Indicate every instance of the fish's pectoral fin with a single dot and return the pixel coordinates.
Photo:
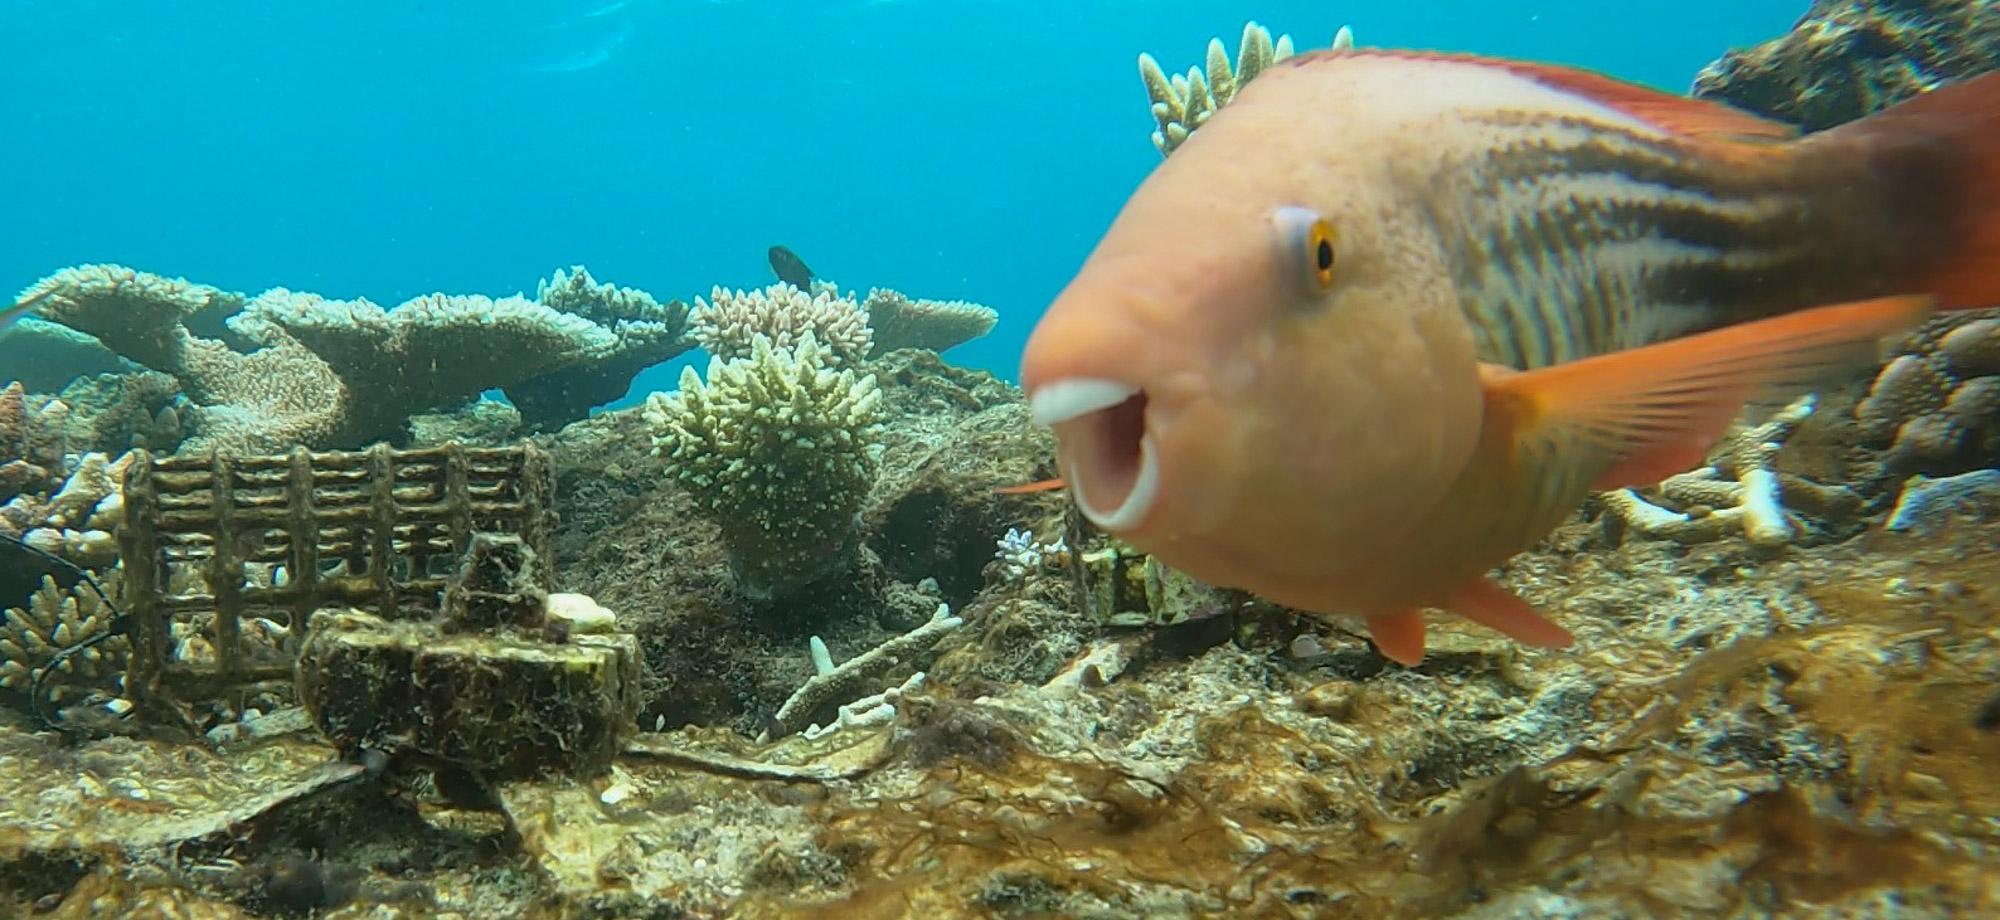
(1490, 605)
(1399, 636)
(1657, 410)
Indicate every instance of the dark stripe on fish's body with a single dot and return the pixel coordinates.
(1742, 256)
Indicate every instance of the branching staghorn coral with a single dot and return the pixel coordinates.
(1182, 103)
(57, 618)
(729, 322)
(780, 450)
(645, 332)
(898, 321)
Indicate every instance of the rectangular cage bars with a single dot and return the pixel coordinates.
(210, 542)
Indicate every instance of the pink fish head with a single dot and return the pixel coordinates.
(1262, 366)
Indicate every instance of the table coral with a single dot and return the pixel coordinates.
(333, 372)
(901, 322)
(645, 332)
(780, 451)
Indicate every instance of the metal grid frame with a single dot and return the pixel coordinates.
(379, 529)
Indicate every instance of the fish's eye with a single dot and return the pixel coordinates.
(1319, 252)
(1309, 247)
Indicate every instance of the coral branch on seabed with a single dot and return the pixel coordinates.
(830, 681)
(1739, 492)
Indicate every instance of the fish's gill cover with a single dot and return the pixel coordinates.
(780, 450)
(729, 322)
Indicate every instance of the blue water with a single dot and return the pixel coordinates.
(948, 148)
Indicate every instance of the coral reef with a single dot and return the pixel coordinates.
(57, 618)
(1000, 712)
(900, 322)
(780, 449)
(297, 368)
(434, 351)
(1741, 491)
(76, 522)
(1182, 103)
(1846, 58)
(1936, 404)
(831, 683)
(644, 332)
(730, 323)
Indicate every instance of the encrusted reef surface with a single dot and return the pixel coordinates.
(869, 683)
(1846, 58)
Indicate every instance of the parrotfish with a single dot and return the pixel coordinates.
(1388, 318)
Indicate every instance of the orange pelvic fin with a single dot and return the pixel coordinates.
(1028, 488)
(1490, 605)
(1658, 409)
(1399, 636)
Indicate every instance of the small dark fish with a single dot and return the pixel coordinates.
(791, 269)
(27, 306)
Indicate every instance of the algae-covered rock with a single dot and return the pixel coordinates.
(1846, 58)
(498, 706)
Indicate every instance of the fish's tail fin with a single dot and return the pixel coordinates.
(1936, 157)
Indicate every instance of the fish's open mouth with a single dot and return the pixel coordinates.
(1109, 456)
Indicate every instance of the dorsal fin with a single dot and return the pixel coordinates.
(1666, 111)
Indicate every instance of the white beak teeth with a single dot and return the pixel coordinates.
(1138, 501)
(1062, 400)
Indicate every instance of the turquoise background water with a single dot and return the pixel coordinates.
(948, 148)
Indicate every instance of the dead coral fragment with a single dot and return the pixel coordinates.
(831, 682)
(1739, 492)
(780, 450)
